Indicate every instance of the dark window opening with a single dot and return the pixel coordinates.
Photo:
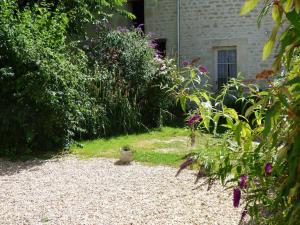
(137, 8)
(161, 47)
(227, 66)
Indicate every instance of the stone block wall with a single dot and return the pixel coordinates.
(208, 25)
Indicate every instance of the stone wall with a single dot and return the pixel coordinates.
(207, 25)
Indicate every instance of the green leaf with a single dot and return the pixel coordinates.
(206, 122)
(294, 18)
(288, 5)
(203, 94)
(297, 6)
(232, 113)
(268, 49)
(238, 133)
(248, 6)
(270, 44)
(183, 103)
(276, 14)
(195, 99)
(283, 99)
(269, 117)
(249, 111)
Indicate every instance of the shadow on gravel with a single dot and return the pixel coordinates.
(9, 167)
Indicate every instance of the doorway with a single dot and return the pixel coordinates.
(138, 9)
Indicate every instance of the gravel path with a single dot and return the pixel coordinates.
(69, 191)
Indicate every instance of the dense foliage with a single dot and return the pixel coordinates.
(53, 91)
(42, 86)
(132, 82)
(80, 14)
(261, 155)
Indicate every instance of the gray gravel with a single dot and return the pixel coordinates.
(95, 191)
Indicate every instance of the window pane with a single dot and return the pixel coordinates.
(232, 70)
(226, 65)
(222, 56)
(222, 70)
(231, 56)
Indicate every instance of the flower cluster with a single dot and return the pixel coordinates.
(268, 169)
(236, 197)
(194, 119)
(185, 63)
(203, 69)
(237, 193)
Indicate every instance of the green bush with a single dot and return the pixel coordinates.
(42, 86)
(52, 92)
(131, 81)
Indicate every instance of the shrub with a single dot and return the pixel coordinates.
(42, 86)
(52, 92)
(131, 81)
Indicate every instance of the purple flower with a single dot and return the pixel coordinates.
(268, 168)
(203, 69)
(194, 119)
(122, 29)
(185, 164)
(244, 214)
(152, 44)
(236, 197)
(140, 26)
(243, 181)
(185, 63)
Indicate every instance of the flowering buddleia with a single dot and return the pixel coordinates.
(268, 168)
(236, 197)
(243, 181)
(185, 164)
(203, 69)
(194, 119)
(185, 63)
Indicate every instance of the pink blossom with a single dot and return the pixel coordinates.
(203, 69)
(185, 63)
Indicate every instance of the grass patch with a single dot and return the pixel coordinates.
(166, 146)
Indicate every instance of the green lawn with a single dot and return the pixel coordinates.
(166, 146)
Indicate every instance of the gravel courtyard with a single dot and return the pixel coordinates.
(70, 191)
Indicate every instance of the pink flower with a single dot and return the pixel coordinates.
(203, 69)
(236, 197)
(185, 63)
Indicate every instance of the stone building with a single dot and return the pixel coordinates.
(211, 29)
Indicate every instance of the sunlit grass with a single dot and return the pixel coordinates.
(166, 146)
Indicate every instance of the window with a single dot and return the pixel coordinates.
(226, 65)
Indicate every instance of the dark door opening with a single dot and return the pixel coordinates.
(137, 8)
(161, 47)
